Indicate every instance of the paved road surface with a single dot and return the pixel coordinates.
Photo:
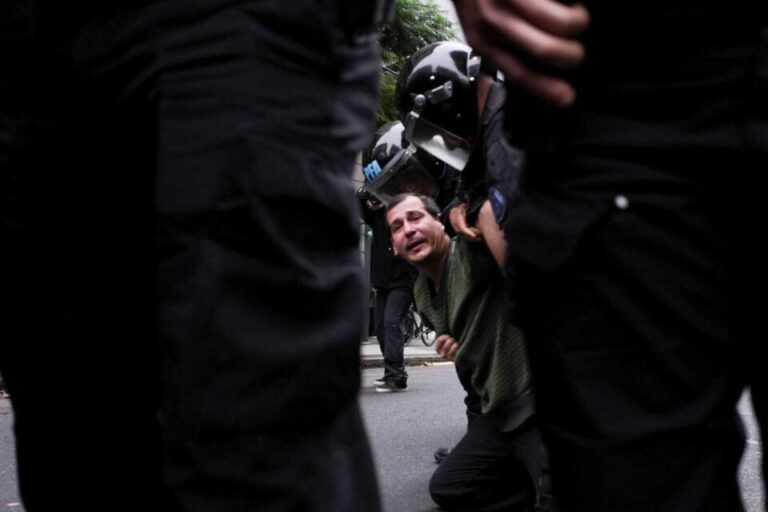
(405, 429)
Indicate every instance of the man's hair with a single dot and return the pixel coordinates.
(429, 204)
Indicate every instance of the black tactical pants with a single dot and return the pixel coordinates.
(635, 272)
(180, 275)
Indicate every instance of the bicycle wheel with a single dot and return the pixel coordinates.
(427, 336)
(408, 327)
(422, 332)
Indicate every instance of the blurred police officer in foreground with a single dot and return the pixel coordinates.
(180, 252)
(637, 271)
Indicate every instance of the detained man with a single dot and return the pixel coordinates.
(499, 463)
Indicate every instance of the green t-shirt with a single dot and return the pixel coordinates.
(470, 306)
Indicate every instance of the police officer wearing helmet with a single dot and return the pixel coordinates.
(391, 169)
(449, 100)
(436, 93)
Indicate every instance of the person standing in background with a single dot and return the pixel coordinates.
(391, 276)
(393, 280)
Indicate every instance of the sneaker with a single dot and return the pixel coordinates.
(391, 387)
(441, 454)
(380, 380)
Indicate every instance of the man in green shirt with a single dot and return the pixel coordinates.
(460, 292)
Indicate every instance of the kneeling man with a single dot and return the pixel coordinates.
(499, 463)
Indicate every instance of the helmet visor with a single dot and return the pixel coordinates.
(402, 174)
(438, 142)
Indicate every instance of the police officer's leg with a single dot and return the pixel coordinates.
(633, 364)
(259, 273)
(747, 257)
(748, 254)
(79, 351)
(398, 301)
(382, 295)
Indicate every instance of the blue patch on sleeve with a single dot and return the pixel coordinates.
(498, 204)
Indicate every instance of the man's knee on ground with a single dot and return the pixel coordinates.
(449, 490)
(503, 487)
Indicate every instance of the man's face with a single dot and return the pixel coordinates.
(416, 235)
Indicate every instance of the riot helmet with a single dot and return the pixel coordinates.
(393, 169)
(437, 98)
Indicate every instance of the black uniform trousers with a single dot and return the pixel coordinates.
(391, 309)
(180, 271)
(637, 273)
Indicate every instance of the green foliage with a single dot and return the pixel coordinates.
(387, 110)
(416, 24)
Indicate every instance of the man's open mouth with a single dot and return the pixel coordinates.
(414, 245)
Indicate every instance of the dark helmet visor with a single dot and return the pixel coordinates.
(438, 142)
(402, 174)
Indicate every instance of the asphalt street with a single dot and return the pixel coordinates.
(9, 493)
(404, 429)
